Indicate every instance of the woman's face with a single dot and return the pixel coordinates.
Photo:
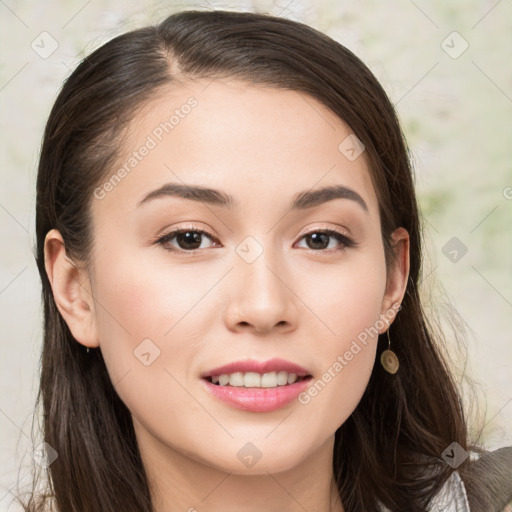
(263, 281)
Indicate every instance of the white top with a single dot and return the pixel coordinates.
(451, 498)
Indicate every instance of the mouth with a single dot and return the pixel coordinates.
(256, 380)
(255, 392)
(250, 373)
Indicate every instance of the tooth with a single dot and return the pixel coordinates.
(255, 380)
(282, 378)
(252, 380)
(292, 377)
(223, 379)
(269, 380)
(236, 379)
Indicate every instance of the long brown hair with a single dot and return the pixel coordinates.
(390, 448)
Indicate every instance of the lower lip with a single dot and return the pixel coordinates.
(258, 399)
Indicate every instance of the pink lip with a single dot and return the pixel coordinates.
(250, 365)
(257, 399)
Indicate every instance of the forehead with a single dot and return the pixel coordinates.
(260, 145)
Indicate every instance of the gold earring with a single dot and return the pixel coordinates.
(388, 358)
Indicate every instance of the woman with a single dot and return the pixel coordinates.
(229, 246)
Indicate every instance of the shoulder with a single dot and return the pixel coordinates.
(488, 484)
(451, 497)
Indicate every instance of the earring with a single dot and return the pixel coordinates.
(388, 358)
(87, 349)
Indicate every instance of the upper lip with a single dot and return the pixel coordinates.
(251, 365)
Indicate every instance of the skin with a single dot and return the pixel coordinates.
(294, 301)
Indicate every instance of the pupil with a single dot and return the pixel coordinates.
(321, 238)
(191, 239)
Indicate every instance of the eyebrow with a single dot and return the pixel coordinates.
(301, 201)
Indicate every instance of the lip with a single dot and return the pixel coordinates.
(251, 365)
(257, 399)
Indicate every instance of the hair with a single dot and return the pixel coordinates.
(389, 449)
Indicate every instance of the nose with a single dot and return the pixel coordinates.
(261, 298)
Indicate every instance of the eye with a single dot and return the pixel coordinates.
(190, 239)
(319, 238)
(187, 239)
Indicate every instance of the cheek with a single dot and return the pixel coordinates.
(347, 364)
(137, 309)
(347, 296)
(148, 336)
(350, 303)
(152, 318)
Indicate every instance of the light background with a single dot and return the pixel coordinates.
(456, 112)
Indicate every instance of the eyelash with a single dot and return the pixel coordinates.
(344, 240)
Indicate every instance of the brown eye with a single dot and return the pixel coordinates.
(319, 240)
(190, 240)
(187, 240)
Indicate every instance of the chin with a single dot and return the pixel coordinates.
(260, 457)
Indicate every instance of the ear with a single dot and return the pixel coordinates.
(71, 290)
(398, 275)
